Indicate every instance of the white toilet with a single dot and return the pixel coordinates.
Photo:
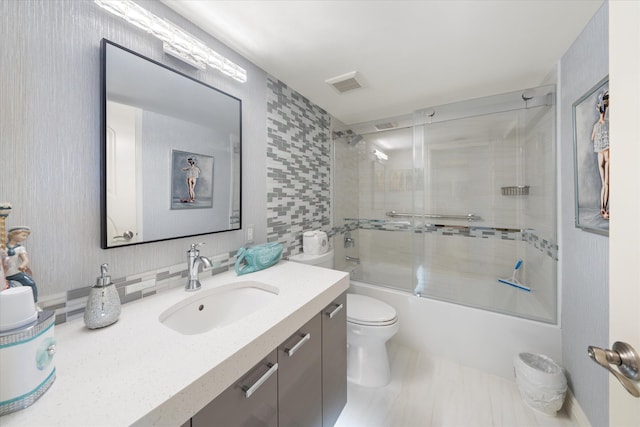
(370, 324)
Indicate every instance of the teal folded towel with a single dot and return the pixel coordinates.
(257, 257)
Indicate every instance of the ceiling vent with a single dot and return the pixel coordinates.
(385, 126)
(345, 82)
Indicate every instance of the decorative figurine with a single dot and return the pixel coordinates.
(5, 210)
(17, 261)
(4, 283)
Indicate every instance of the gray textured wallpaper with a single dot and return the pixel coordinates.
(50, 138)
(585, 256)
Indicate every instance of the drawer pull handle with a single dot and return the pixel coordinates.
(249, 390)
(335, 311)
(303, 339)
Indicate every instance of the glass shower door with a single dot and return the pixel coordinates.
(386, 178)
(447, 207)
(487, 205)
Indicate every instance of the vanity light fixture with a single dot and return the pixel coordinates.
(175, 41)
(379, 154)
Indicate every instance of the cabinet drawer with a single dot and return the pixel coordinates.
(249, 402)
(300, 376)
(334, 360)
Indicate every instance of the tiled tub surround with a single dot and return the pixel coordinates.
(461, 265)
(530, 236)
(99, 382)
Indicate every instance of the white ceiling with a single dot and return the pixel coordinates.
(409, 54)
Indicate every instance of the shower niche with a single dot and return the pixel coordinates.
(466, 191)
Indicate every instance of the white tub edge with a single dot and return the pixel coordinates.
(465, 335)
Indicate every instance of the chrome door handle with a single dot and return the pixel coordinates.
(625, 358)
(127, 235)
(303, 339)
(249, 390)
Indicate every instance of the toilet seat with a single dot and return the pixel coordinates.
(367, 311)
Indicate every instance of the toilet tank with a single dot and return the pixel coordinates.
(325, 260)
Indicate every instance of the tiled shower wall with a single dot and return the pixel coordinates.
(298, 167)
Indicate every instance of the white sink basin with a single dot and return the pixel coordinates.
(216, 307)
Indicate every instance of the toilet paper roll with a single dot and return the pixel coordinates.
(315, 242)
(310, 244)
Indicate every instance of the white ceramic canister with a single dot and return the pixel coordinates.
(26, 363)
(17, 308)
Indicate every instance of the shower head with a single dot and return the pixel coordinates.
(354, 140)
(350, 138)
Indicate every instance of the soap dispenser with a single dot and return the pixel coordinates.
(103, 306)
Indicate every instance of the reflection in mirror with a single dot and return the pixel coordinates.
(171, 153)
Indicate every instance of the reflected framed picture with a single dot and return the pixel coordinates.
(191, 180)
(591, 159)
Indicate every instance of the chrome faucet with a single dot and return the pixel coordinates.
(352, 259)
(194, 261)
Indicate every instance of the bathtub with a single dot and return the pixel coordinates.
(476, 287)
(468, 336)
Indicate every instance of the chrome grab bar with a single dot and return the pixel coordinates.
(467, 217)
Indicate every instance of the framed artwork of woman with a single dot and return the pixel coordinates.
(592, 158)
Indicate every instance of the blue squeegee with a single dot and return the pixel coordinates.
(513, 281)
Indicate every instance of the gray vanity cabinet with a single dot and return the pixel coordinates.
(252, 401)
(300, 376)
(334, 360)
(301, 383)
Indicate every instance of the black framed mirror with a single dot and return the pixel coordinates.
(171, 153)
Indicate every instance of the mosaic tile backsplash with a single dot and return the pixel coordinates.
(70, 305)
(298, 167)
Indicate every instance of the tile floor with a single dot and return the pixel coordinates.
(426, 391)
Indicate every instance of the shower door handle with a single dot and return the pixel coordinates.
(625, 358)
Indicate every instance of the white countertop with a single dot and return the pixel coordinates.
(139, 372)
